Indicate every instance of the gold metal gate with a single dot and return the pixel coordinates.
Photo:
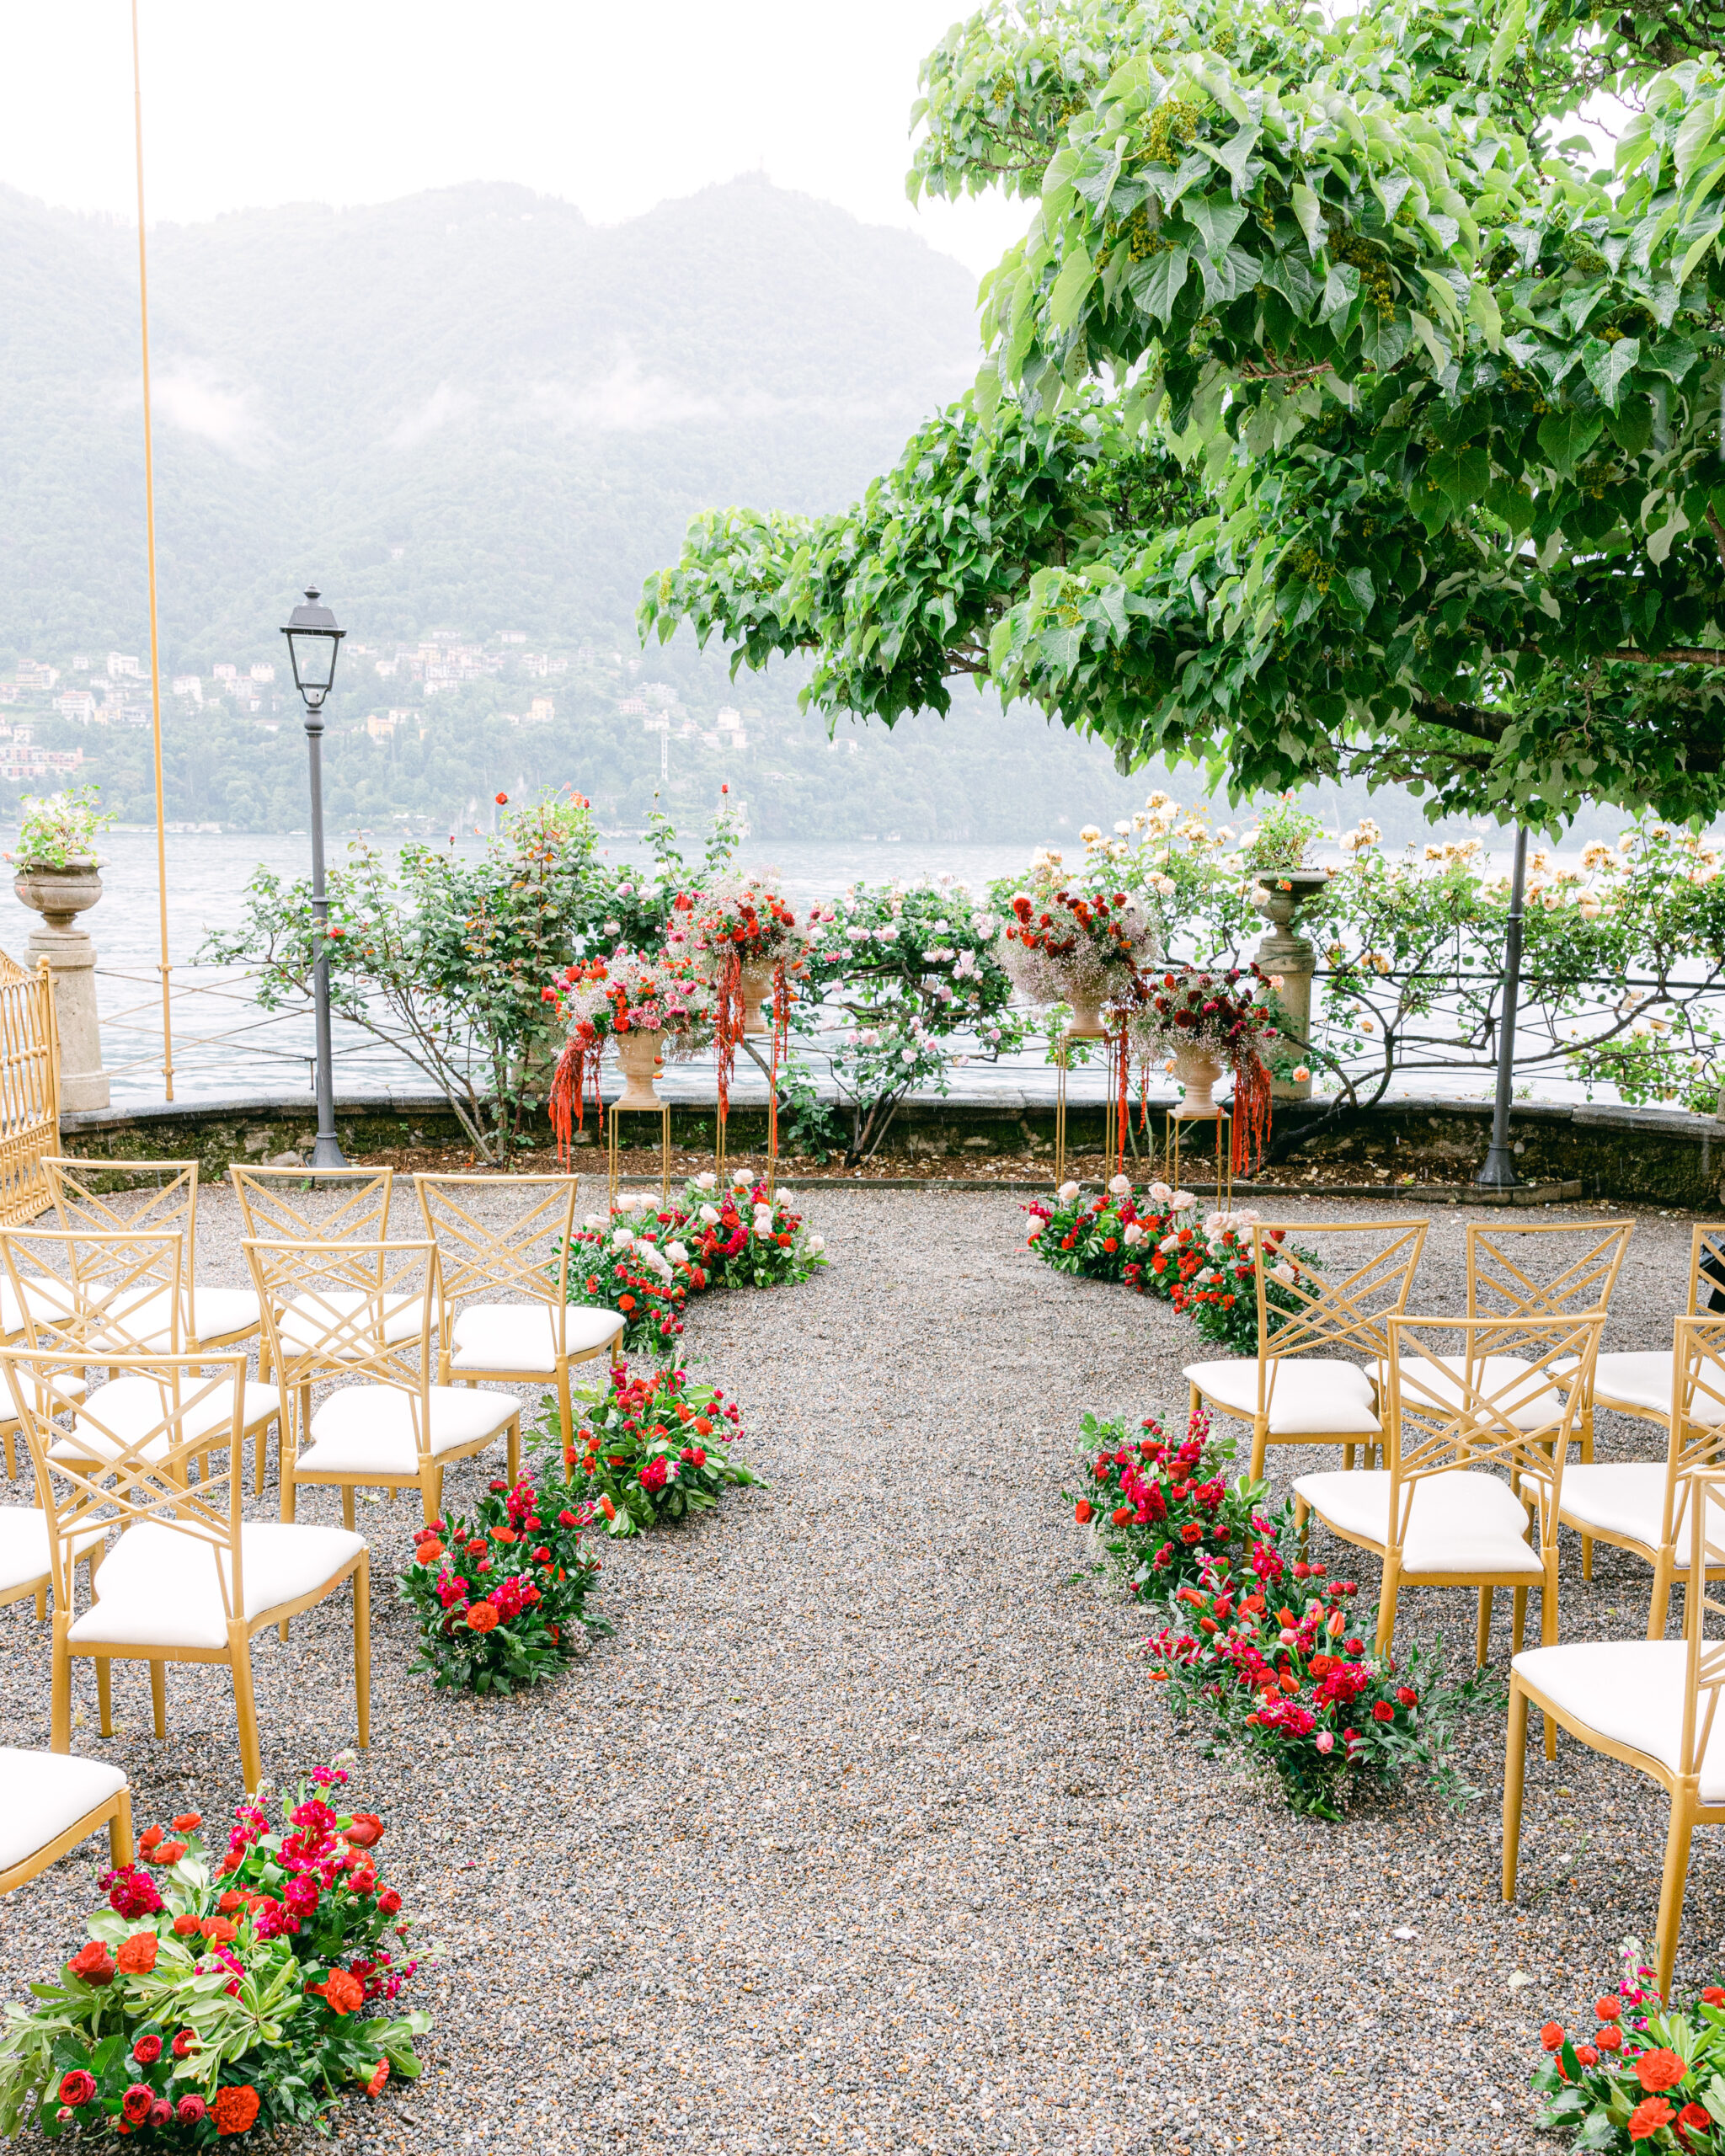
(29, 1089)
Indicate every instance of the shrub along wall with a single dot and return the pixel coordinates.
(1652, 1154)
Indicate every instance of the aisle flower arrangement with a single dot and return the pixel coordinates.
(1215, 1279)
(639, 1263)
(742, 1238)
(648, 1450)
(221, 1998)
(1644, 2077)
(1273, 1653)
(501, 1598)
(1108, 1235)
(601, 999)
(1162, 1513)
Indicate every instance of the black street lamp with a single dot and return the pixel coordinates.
(312, 642)
(1499, 1172)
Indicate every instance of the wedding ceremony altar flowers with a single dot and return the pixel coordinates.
(1161, 1511)
(1078, 940)
(638, 1262)
(1105, 1235)
(1273, 1653)
(501, 1599)
(741, 1237)
(220, 1999)
(1643, 2076)
(628, 998)
(1202, 1020)
(647, 1449)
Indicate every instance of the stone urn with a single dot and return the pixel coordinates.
(60, 895)
(1199, 1071)
(1087, 1020)
(756, 984)
(1279, 895)
(637, 1053)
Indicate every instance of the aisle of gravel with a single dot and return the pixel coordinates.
(865, 1831)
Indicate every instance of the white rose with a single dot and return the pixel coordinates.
(817, 1244)
(622, 1239)
(1161, 1192)
(706, 1181)
(1066, 1192)
(1181, 1200)
(742, 1178)
(676, 1253)
(1120, 1185)
(1135, 1235)
(594, 1220)
(1284, 1271)
(709, 1213)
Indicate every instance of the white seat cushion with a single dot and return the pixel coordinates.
(1632, 1690)
(523, 1336)
(23, 1545)
(1628, 1497)
(370, 1428)
(306, 1320)
(1458, 1521)
(1310, 1397)
(64, 1385)
(42, 1794)
(220, 1312)
(223, 1311)
(1526, 1404)
(49, 1302)
(133, 1405)
(160, 1587)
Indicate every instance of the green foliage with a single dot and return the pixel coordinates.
(1447, 394)
(501, 1599)
(647, 1451)
(62, 828)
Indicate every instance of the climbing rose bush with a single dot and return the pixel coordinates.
(220, 1999)
(501, 1599)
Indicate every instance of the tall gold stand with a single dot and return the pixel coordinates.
(1225, 1151)
(613, 1112)
(1112, 1156)
(721, 1154)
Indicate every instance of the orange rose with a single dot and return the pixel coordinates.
(234, 2109)
(482, 1617)
(187, 1822)
(1648, 2116)
(137, 1954)
(216, 1929)
(344, 1993)
(504, 1534)
(1657, 2071)
(428, 1553)
(169, 1853)
(185, 1927)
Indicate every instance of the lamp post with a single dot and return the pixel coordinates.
(1499, 1172)
(312, 642)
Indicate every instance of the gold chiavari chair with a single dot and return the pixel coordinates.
(1300, 1389)
(1652, 1704)
(119, 1292)
(189, 1580)
(154, 1197)
(49, 1804)
(337, 1312)
(1647, 1506)
(1435, 1516)
(538, 1333)
(1637, 1381)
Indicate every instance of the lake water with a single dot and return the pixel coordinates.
(225, 1048)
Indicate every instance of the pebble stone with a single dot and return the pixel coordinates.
(865, 1831)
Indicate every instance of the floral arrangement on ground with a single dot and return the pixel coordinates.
(1269, 1653)
(215, 1999)
(649, 1450)
(1157, 1244)
(1646, 2077)
(1162, 1513)
(501, 1599)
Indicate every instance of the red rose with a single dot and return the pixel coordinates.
(1713, 1996)
(1191, 1532)
(342, 1992)
(1657, 2071)
(1082, 1510)
(134, 2104)
(234, 2108)
(78, 2087)
(380, 2075)
(137, 1954)
(1648, 2116)
(1608, 2010)
(1611, 2038)
(169, 1853)
(185, 1927)
(1695, 2118)
(1551, 2036)
(389, 1903)
(191, 2110)
(187, 1822)
(366, 1831)
(147, 2049)
(1382, 1710)
(1587, 2054)
(92, 1964)
(1407, 1695)
(185, 2043)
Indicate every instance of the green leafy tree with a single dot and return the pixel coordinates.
(1340, 415)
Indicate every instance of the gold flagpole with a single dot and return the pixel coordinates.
(150, 528)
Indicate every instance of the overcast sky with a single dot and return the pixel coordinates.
(612, 106)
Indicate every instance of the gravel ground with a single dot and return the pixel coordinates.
(865, 1831)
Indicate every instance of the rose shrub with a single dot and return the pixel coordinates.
(501, 1599)
(647, 1449)
(213, 1999)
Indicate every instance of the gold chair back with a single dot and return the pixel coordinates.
(100, 1294)
(1707, 1656)
(124, 1477)
(1324, 1312)
(1561, 1269)
(1706, 1269)
(1447, 1409)
(272, 1203)
(329, 1307)
(529, 1258)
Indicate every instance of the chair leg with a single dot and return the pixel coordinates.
(1659, 1608)
(10, 1435)
(60, 1687)
(1482, 1642)
(42, 1605)
(436, 1511)
(1548, 1638)
(1520, 1626)
(158, 1696)
(120, 1843)
(104, 1694)
(565, 1412)
(1302, 1525)
(245, 1707)
(362, 1648)
(1260, 1445)
(347, 1507)
(513, 1451)
(1671, 1885)
(1587, 1454)
(261, 1460)
(1514, 1772)
(1347, 1458)
(1387, 1604)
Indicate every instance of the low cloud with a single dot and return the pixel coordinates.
(193, 399)
(443, 405)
